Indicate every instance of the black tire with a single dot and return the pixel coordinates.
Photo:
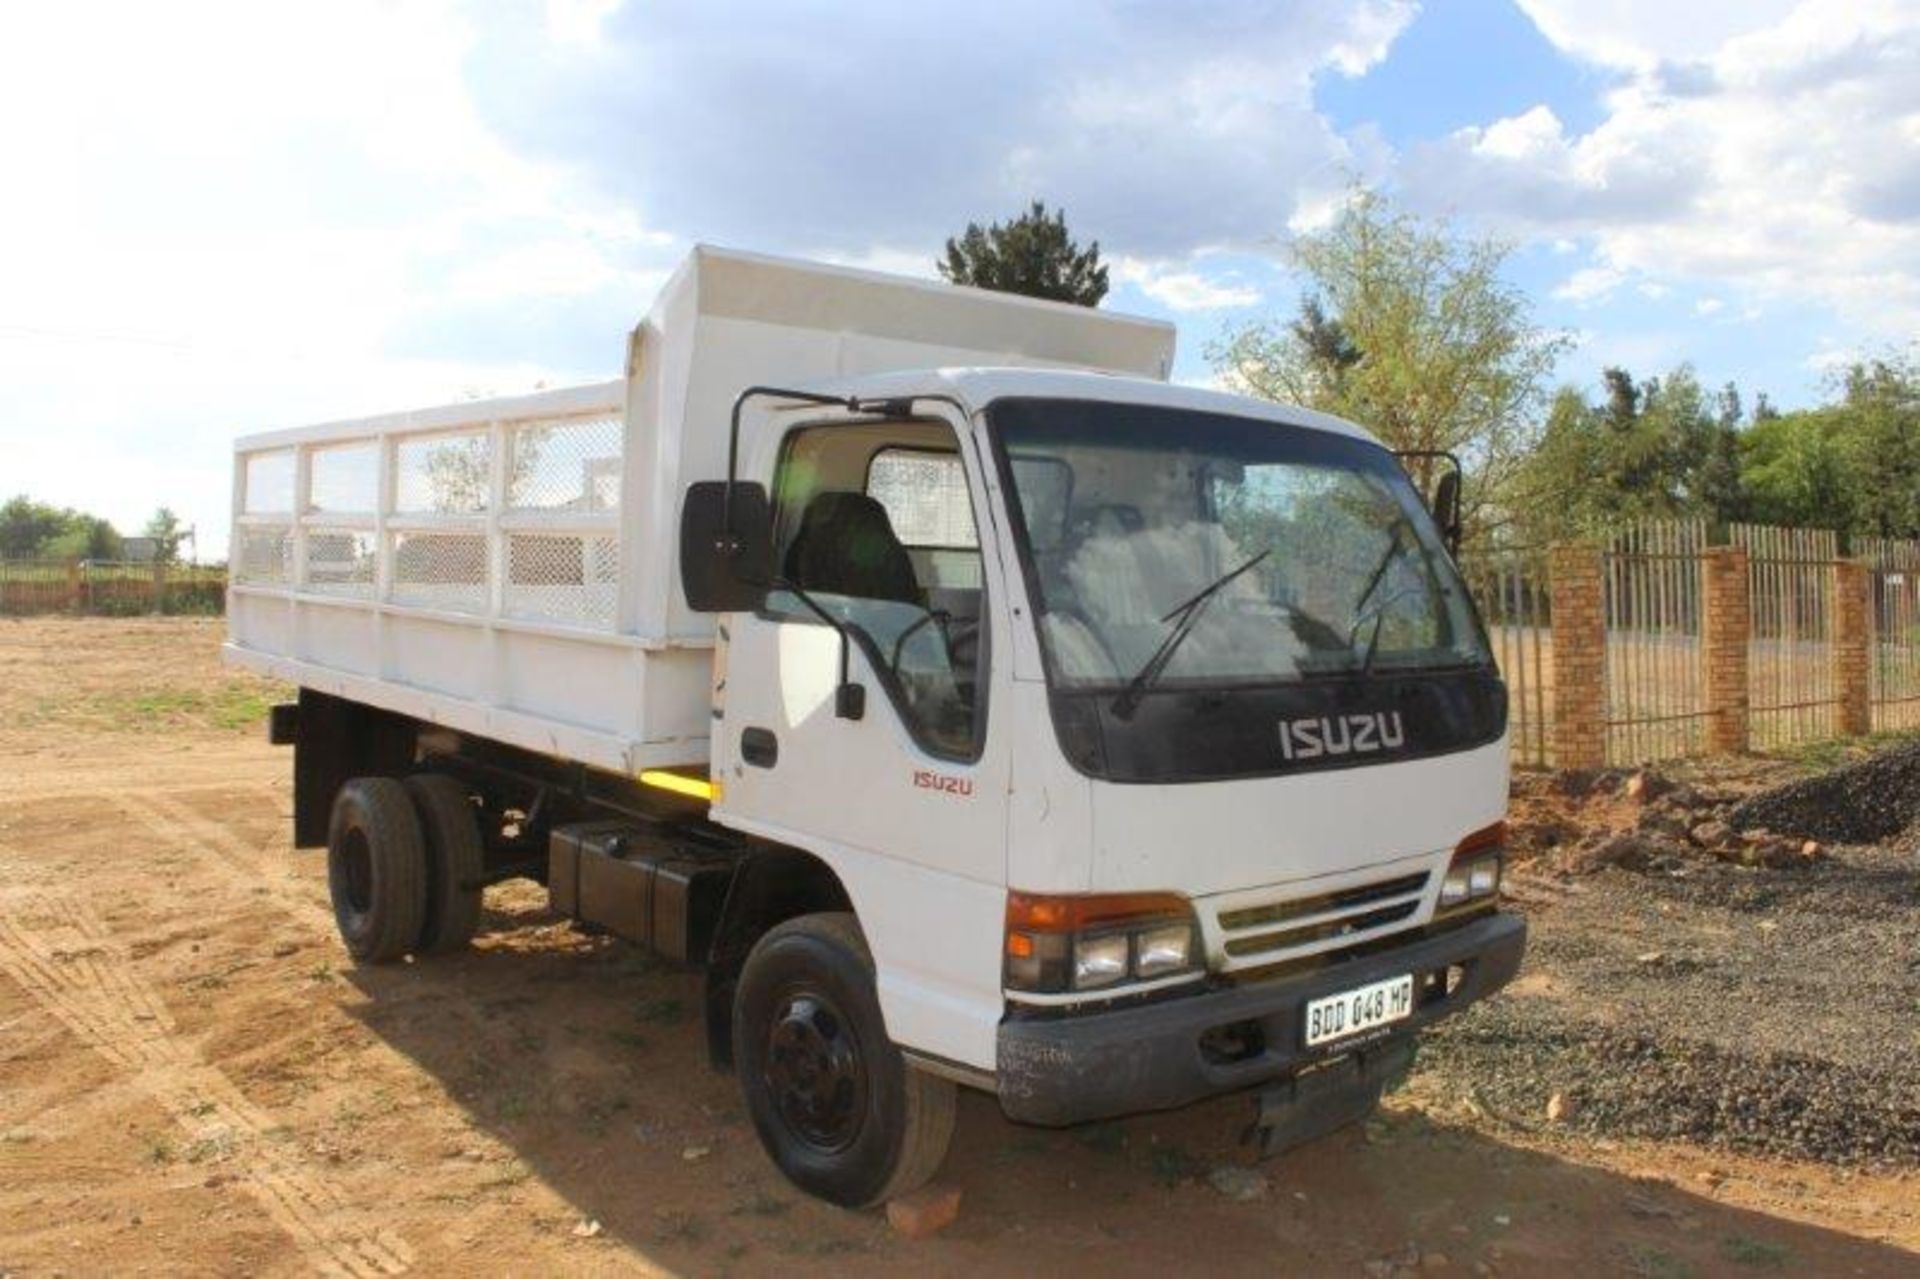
(836, 1106)
(376, 869)
(455, 862)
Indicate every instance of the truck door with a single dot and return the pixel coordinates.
(874, 526)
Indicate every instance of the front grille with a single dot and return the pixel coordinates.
(1276, 930)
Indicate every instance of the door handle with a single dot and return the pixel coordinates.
(759, 747)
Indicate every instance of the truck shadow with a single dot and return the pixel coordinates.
(585, 1060)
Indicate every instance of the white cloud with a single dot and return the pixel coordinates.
(1746, 147)
(579, 21)
(1709, 306)
(1184, 290)
(1158, 129)
(1636, 34)
(1589, 284)
(246, 216)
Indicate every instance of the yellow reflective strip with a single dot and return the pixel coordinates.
(698, 787)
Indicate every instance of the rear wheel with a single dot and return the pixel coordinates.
(836, 1106)
(454, 861)
(376, 869)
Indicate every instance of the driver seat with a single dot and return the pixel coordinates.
(846, 546)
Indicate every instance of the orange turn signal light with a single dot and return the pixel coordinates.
(1487, 839)
(1072, 912)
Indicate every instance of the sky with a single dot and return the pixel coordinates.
(226, 218)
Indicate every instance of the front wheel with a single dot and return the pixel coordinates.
(836, 1106)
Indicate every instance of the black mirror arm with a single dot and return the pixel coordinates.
(733, 432)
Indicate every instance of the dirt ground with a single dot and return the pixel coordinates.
(194, 1079)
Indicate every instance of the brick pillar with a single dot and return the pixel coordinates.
(1579, 657)
(1852, 646)
(1725, 626)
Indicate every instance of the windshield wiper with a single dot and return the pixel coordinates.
(1394, 548)
(1187, 614)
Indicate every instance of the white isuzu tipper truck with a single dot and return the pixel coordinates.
(972, 705)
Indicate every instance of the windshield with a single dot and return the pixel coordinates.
(1128, 512)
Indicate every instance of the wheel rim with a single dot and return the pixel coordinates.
(814, 1071)
(357, 860)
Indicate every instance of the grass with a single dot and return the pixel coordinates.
(761, 1204)
(1104, 1138)
(677, 1226)
(1755, 1254)
(1649, 1262)
(1839, 750)
(230, 707)
(661, 1012)
(1173, 1164)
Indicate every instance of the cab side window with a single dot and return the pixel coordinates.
(882, 537)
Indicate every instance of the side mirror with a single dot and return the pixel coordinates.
(726, 546)
(1446, 509)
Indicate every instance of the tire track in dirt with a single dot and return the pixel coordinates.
(246, 866)
(64, 958)
(40, 779)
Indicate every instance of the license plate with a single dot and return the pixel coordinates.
(1363, 1008)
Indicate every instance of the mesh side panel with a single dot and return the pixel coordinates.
(340, 562)
(565, 466)
(441, 570)
(264, 557)
(345, 478)
(562, 578)
(269, 483)
(446, 474)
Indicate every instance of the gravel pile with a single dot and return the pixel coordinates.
(1874, 799)
(1615, 1084)
(1748, 1008)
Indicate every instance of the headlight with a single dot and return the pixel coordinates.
(1474, 876)
(1099, 961)
(1057, 944)
(1164, 950)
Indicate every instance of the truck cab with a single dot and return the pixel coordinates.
(1152, 730)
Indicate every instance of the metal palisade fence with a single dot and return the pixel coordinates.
(114, 588)
(1762, 638)
(1893, 569)
(1790, 583)
(1509, 586)
(1654, 607)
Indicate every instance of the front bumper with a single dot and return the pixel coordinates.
(1152, 1057)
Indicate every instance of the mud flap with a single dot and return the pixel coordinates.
(1312, 1104)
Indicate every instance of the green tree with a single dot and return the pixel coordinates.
(26, 526)
(1032, 254)
(1659, 448)
(1408, 329)
(1879, 439)
(86, 537)
(35, 530)
(1795, 470)
(1852, 464)
(165, 529)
